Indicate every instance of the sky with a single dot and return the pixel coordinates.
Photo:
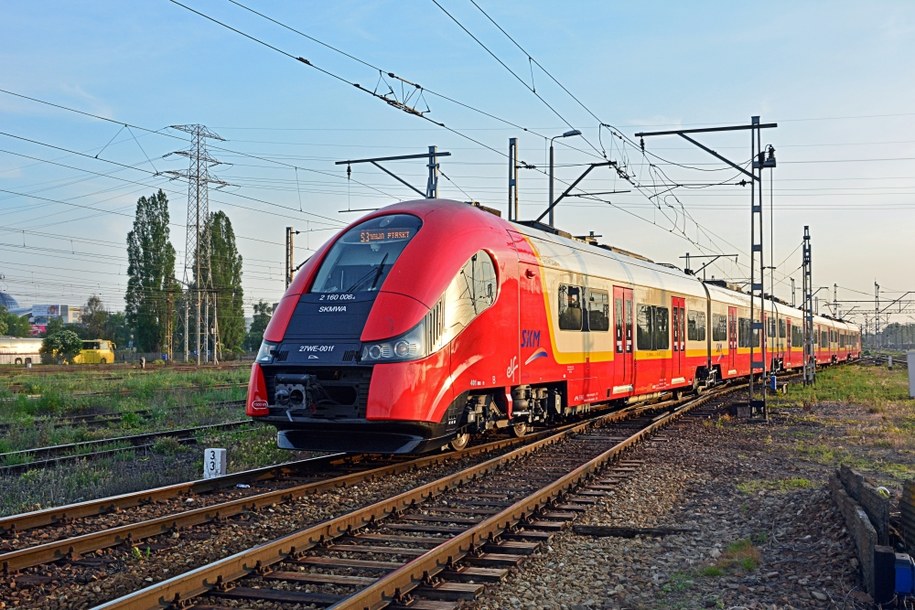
(90, 90)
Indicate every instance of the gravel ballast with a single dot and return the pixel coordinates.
(765, 532)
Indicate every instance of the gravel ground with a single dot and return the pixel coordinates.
(776, 541)
(763, 531)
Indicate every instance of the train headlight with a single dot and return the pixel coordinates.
(266, 353)
(409, 346)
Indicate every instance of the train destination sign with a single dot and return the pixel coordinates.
(381, 235)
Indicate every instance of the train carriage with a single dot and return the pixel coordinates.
(429, 321)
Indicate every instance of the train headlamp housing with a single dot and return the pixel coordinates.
(409, 346)
(266, 353)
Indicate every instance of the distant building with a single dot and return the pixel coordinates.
(8, 301)
(42, 313)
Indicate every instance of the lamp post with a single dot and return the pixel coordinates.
(816, 308)
(568, 134)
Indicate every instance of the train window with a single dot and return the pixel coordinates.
(719, 327)
(644, 322)
(661, 328)
(743, 333)
(570, 316)
(618, 323)
(361, 258)
(771, 328)
(652, 327)
(781, 329)
(471, 291)
(824, 342)
(695, 325)
(598, 310)
(797, 335)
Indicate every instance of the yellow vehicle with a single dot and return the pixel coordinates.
(95, 351)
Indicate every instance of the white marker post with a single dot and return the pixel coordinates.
(214, 463)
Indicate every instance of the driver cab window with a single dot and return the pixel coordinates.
(472, 291)
(361, 258)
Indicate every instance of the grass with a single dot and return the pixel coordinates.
(740, 557)
(171, 400)
(860, 416)
(128, 471)
(778, 485)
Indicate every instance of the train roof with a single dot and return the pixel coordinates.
(570, 254)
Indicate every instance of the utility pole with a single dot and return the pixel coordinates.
(513, 179)
(877, 342)
(290, 249)
(807, 263)
(793, 302)
(761, 160)
(198, 180)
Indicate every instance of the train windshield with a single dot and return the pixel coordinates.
(360, 260)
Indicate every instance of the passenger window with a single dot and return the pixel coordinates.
(719, 327)
(570, 312)
(653, 327)
(598, 310)
(695, 325)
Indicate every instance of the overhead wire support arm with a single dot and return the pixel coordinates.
(432, 184)
(714, 257)
(573, 185)
(759, 161)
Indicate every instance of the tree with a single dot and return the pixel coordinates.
(262, 314)
(151, 273)
(61, 346)
(225, 271)
(117, 330)
(94, 318)
(54, 325)
(13, 325)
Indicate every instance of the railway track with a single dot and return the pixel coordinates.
(13, 462)
(77, 529)
(100, 420)
(440, 506)
(434, 546)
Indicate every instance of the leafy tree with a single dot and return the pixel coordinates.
(13, 325)
(94, 318)
(262, 314)
(54, 325)
(151, 273)
(225, 270)
(116, 329)
(61, 346)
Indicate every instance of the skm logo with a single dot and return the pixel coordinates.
(530, 338)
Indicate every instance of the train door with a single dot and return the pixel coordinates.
(732, 340)
(622, 327)
(788, 356)
(678, 309)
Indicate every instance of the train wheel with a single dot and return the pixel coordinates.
(460, 441)
(520, 429)
(103, 361)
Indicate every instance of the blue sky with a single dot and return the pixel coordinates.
(836, 77)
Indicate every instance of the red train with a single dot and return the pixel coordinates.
(429, 321)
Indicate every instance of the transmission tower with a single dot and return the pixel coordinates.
(198, 208)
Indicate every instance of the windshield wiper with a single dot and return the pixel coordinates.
(375, 273)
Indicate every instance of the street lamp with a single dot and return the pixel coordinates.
(568, 134)
(816, 301)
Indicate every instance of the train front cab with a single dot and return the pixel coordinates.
(380, 357)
